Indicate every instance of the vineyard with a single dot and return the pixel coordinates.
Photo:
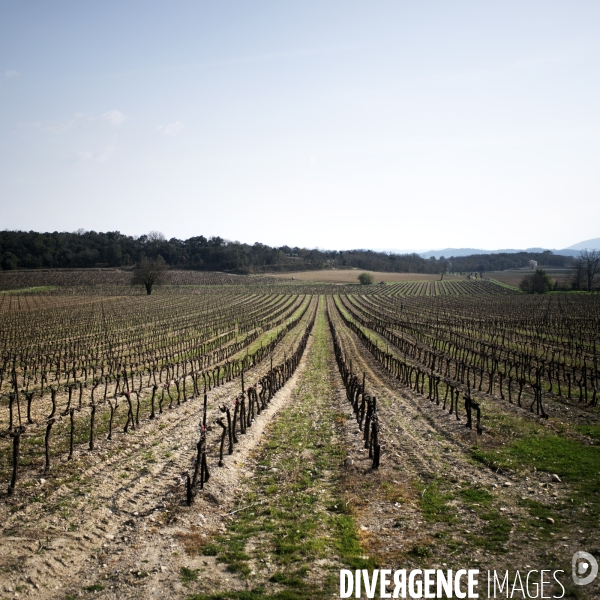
(246, 437)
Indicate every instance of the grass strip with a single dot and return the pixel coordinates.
(292, 546)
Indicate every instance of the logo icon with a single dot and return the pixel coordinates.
(585, 568)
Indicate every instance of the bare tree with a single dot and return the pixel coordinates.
(591, 266)
(155, 237)
(150, 273)
(443, 267)
(577, 274)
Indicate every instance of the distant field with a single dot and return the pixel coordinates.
(351, 276)
(515, 277)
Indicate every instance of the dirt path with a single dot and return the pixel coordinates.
(293, 531)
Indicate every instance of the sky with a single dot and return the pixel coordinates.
(318, 123)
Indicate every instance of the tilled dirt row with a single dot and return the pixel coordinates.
(86, 531)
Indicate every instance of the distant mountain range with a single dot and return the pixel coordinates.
(593, 244)
(586, 244)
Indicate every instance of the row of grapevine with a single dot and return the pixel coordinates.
(363, 404)
(74, 413)
(486, 353)
(246, 407)
(446, 288)
(425, 382)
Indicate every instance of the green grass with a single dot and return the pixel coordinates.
(505, 285)
(433, 501)
(476, 496)
(577, 464)
(188, 575)
(496, 531)
(96, 587)
(303, 519)
(592, 431)
(30, 290)
(420, 551)
(497, 528)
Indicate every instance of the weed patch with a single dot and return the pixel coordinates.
(96, 587)
(575, 462)
(433, 502)
(188, 575)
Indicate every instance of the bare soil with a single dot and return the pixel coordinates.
(351, 276)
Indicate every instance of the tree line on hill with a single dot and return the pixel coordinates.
(86, 249)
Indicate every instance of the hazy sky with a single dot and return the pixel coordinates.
(337, 124)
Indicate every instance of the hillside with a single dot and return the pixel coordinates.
(32, 250)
